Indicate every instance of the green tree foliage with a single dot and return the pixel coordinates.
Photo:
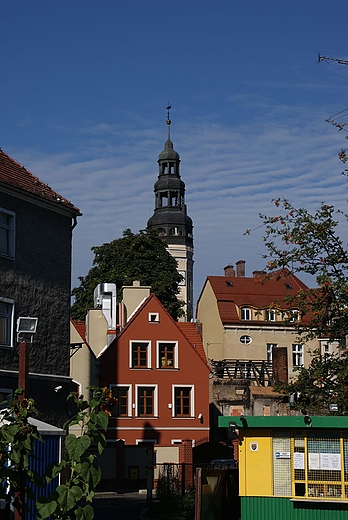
(324, 382)
(142, 256)
(302, 242)
(17, 437)
(79, 464)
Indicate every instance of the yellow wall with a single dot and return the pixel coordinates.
(208, 315)
(255, 465)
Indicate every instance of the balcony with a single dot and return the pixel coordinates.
(235, 371)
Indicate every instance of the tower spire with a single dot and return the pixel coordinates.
(168, 119)
(170, 217)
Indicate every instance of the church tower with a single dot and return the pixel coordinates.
(171, 219)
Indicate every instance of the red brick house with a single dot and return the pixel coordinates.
(157, 368)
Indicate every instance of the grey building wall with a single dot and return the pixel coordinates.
(38, 280)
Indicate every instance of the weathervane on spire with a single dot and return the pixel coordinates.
(168, 113)
(168, 119)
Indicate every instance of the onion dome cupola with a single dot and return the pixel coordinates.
(170, 215)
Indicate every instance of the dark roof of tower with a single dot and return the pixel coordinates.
(169, 152)
(169, 216)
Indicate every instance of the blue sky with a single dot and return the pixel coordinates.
(85, 84)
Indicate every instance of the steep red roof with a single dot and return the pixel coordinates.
(189, 330)
(80, 326)
(15, 175)
(259, 293)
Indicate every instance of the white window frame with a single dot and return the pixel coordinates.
(270, 315)
(297, 355)
(192, 401)
(129, 399)
(294, 315)
(10, 322)
(11, 232)
(176, 356)
(142, 441)
(325, 348)
(176, 441)
(148, 343)
(245, 311)
(270, 347)
(246, 342)
(153, 317)
(155, 402)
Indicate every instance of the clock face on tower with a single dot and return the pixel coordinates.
(183, 281)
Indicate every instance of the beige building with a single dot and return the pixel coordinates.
(240, 321)
(247, 343)
(88, 339)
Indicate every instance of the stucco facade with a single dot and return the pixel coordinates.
(157, 369)
(238, 322)
(35, 268)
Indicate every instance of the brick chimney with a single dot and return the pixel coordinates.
(280, 365)
(240, 268)
(257, 274)
(229, 270)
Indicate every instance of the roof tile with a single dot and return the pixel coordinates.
(236, 292)
(15, 175)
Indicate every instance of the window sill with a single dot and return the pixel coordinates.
(184, 417)
(146, 417)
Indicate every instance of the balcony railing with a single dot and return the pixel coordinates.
(235, 370)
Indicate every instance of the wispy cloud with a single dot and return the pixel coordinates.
(231, 175)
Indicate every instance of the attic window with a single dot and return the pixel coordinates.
(229, 283)
(153, 317)
(288, 285)
(246, 314)
(246, 340)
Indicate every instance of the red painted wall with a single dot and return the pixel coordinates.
(192, 370)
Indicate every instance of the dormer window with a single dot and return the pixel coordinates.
(294, 315)
(246, 313)
(270, 315)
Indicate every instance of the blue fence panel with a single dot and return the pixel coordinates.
(44, 454)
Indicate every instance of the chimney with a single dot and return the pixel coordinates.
(240, 268)
(229, 270)
(257, 274)
(280, 365)
(133, 296)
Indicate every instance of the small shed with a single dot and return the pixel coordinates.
(46, 452)
(292, 467)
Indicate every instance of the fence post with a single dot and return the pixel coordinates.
(183, 479)
(198, 494)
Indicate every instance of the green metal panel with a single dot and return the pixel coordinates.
(292, 422)
(262, 508)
